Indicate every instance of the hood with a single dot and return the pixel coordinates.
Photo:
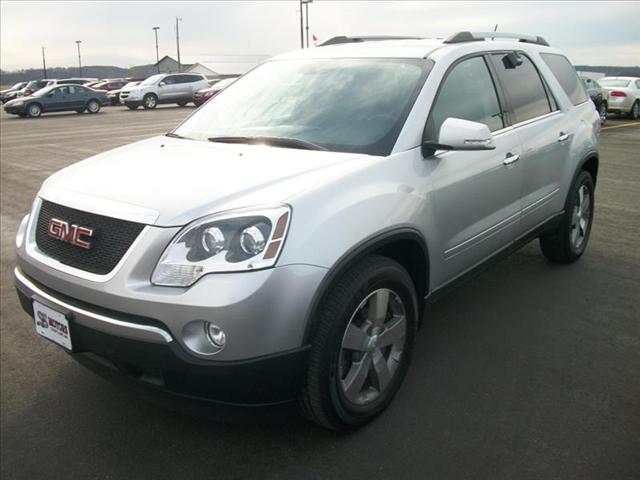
(170, 182)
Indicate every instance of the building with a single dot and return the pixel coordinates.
(166, 64)
(221, 66)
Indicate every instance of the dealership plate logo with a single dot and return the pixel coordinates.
(67, 232)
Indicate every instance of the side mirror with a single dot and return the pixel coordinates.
(458, 134)
(161, 84)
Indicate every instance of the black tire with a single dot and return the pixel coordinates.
(150, 101)
(34, 110)
(602, 111)
(322, 399)
(132, 107)
(182, 104)
(560, 246)
(93, 106)
(634, 113)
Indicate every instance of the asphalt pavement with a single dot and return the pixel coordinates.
(529, 371)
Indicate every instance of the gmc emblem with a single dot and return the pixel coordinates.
(70, 233)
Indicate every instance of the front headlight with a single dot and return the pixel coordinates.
(234, 241)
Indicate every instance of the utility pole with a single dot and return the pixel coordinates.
(155, 29)
(306, 15)
(44, 64)
(178, 42)
(78, 42)
(301, 27)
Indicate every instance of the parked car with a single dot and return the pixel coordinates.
(76, 81)
(58, 98)
(280, 244)
(163, 88)
(599, 96)
(205, 94)
(34, 86)
(114, 95)
(624, 95)
(9, 93)
(109, 85)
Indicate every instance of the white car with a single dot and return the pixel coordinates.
(624, 95)
(163, 88)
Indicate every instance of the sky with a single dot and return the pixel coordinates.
(120, 33)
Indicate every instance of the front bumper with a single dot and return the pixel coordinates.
(15, 110)
(155, 360)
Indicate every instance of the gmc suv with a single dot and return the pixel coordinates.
(163, 88)
(280, 244)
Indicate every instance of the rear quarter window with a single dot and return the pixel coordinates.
(566, 76)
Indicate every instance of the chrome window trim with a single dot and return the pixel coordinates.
(34, 252)
(536, 119)
(81, 311)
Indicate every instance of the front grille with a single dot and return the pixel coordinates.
(111, 238)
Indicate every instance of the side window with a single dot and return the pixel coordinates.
(467, 93)
(72, 90)
(523, 87)
(566, 76)
(170, 79)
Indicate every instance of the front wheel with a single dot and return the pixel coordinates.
(602, 111)
(569, 241)
(34, 110)
(362, 342)
(150, 101)
(93, 106)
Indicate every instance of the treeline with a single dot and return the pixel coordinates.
(611, 71)
(97, 71)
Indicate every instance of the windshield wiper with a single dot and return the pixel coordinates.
(284, 142)
(173, 135)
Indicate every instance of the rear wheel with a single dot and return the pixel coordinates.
(93, 106)
(150, 101)
(34, 110)
(569, 241)
(635, 111)
(362, 345)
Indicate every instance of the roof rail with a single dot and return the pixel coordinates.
(344, 39)
(461, 37)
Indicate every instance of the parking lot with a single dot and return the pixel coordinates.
(530, 370)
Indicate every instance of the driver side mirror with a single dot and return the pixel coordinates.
(458, 134)
(161, 84)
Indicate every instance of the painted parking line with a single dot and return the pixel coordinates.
(620, 126)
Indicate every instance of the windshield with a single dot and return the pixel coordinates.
(343, 105)
(614, 82)
(152, 79)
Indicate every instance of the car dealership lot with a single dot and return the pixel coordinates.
(528, 371)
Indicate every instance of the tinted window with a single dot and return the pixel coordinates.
(192, 78)
(170, 80)
(523, 87)
(566, 76)
(467, 93)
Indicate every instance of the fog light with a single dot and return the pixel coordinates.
(215, 334)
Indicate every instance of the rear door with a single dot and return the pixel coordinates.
(476, 194)
(544, 133)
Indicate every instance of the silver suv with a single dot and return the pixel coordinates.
(280, 244)
(163, 88)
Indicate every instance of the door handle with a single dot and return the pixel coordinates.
(510, 158)
(563, 136)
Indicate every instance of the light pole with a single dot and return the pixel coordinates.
(155, 29)
(44, 64)
(178, 42)
(301, 27)
(306, 13)
(78, 42)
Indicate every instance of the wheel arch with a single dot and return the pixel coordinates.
(405, 245)
(590, 163)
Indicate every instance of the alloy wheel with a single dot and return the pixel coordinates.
(372, 347)
(581, 217)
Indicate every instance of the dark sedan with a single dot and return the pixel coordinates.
(59, 98)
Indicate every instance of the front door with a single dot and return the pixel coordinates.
(476, 194)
